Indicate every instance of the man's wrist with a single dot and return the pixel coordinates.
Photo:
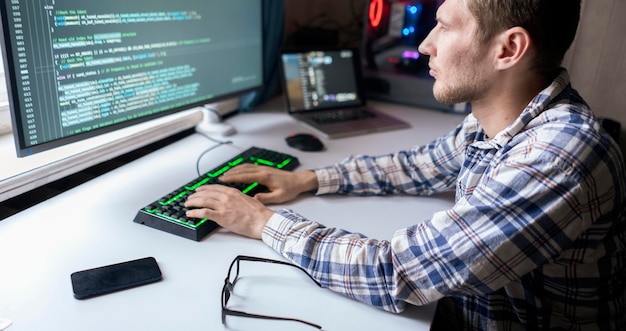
(265, 217)
(308, 180)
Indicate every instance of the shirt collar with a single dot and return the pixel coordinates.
(536, 106)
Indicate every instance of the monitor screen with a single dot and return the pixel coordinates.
(79, 68)
(319, 79)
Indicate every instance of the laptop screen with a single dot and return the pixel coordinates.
(321, 79)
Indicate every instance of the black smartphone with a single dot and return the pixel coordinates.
(115, 277)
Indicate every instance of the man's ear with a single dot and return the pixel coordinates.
(513, 47)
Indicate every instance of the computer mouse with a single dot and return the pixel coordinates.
(304, 142)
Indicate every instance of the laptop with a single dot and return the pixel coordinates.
(323, 89)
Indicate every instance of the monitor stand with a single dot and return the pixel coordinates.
(212, 123)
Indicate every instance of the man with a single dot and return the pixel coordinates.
(536, 238)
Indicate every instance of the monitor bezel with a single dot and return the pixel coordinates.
(14, 105)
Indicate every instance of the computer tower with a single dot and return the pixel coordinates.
(393, 69)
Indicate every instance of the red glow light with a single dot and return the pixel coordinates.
(376, 12)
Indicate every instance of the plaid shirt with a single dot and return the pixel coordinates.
(536, 238)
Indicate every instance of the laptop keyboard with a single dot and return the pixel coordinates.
(341, 116)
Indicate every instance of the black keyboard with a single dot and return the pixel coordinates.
(342, 116)
(168, 213)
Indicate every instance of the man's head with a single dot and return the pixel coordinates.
(551, 25)
(477, 43)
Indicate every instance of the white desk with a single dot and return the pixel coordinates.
(91, 225)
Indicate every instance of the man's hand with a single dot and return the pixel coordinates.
(240, 213)
(229, 208)
(283, 185)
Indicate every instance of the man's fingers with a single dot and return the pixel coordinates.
(245, 173)
(200, 213)
(266, 197)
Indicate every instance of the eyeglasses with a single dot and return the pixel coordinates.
(229, 284)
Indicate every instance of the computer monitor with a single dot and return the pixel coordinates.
(76, 68)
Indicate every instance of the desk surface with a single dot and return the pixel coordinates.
(91, 225)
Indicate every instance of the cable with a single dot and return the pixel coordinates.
(219, 143)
